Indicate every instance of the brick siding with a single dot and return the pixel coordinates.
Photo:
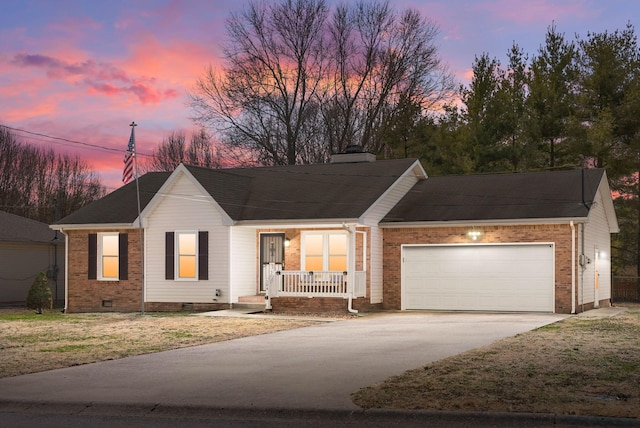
(92, 295)
(558, 233)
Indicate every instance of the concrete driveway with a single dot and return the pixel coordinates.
(315, 367)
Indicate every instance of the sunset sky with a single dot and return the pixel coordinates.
(83, 70)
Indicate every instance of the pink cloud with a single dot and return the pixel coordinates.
(100, 77)
(145, 93)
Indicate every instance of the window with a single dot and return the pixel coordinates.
(108, 256)
(324, 251)
(187, 255)
(108, 261)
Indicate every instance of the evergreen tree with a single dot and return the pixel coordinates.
(39, 296)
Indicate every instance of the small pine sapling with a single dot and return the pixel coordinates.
(39, 296)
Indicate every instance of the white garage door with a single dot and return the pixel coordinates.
(479, 277)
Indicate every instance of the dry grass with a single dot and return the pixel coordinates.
(577, 366)
(32, 343)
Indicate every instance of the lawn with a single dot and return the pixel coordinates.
(32, 343)
(578, 366)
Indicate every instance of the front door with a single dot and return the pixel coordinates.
(271, 256)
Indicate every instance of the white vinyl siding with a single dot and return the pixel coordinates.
(376, 265)
(389, 199)
(500, 277)
(243, 263)
(182, 207)
(596, 238)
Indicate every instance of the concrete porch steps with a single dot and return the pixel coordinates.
(250, 302)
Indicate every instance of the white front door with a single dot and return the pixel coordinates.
(271, 256)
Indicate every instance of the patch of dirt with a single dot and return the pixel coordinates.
(581, 366)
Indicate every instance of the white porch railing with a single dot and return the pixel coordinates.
(315, 284)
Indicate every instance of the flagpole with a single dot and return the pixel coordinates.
(135, 163)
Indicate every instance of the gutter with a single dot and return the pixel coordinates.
(573, 267)
(66, 271)
(94, 226)
(467, 223)
(351, 267)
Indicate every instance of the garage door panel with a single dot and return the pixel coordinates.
(479, 277)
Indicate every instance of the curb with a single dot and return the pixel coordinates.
(438, 418)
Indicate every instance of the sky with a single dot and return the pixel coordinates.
(81, 71)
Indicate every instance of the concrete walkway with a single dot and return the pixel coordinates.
(315, 367)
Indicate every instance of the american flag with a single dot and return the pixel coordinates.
(127, 173)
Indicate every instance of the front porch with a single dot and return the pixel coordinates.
(311, 284)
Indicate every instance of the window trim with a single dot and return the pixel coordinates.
(177, 255)
(100, 256)
(325, 247)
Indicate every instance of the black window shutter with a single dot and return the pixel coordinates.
(169, 264)
(203, 255)
(93, 256)
(123, 256)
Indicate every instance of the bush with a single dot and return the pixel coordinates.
(39, 296)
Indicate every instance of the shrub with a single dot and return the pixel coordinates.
(39, 296)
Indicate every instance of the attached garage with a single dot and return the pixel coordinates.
(479, 277)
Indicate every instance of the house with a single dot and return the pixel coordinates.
(354, 234)
(28, 247)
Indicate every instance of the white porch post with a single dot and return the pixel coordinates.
(351, 259)
(351, 265)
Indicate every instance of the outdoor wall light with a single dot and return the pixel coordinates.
(474, 234)
(287, 242)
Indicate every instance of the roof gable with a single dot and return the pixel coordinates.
(182, 172)
(538, 195)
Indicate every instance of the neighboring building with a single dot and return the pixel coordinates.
(28, 247)
(354, 234)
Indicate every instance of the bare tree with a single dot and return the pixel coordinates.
(383, 59)
(299, 83)
(38, 184)
(174, 150)
(264, 97)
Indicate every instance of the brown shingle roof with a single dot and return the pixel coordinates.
(14, 228)
(295, 192)
(538, 195)
(119, 206)
(301, 192)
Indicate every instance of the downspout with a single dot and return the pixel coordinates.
(573, 267)
(66, 270)
(351, 267)
(583, 268)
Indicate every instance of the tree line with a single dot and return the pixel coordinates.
(572, 104)
(39, 184)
